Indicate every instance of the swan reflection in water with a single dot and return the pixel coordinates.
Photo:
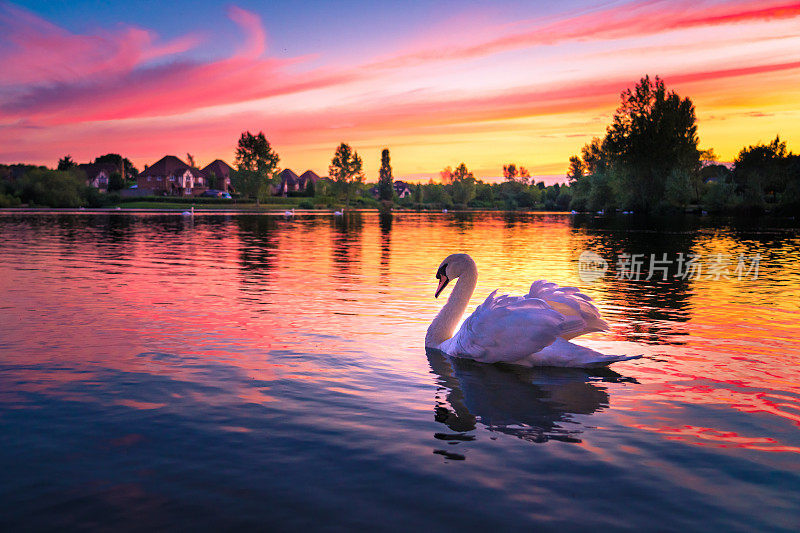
(534, 404)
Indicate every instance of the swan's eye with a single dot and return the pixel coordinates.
(442, 271)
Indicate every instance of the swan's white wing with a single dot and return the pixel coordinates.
(570, 302)
(509, 328)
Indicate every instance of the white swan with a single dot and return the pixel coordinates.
(188, 213)
(530, 330)
(338, 213)
(289, 214)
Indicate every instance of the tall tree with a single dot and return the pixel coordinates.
(66, 163)
(190, 160)
(576, 169)
(463, 185)
(124, 165)
(385, 181)
(256, 163)
(446, 175)
(346, 170)
(653, 137)
(511, 172)
(762, 168)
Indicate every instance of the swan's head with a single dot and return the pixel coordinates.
(452, 267)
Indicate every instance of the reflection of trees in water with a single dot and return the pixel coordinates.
(532, 404)
(116, 234)
(346, 235)
(385, 223)
(258, 236)
(512, 218)
(110, 236)
(654, 307)
(463, 220)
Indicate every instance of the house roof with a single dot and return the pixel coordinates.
(169, 165)
(220, 168)
(93, 169)
(309, 175)
(288, 176)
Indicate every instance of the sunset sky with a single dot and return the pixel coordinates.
(436, 83)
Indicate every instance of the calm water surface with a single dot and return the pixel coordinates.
(245, 371)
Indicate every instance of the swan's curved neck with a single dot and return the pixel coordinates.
(444, 325)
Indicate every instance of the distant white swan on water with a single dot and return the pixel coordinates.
(338, 213)
(530, 330)
(188, 213)
(289, 214)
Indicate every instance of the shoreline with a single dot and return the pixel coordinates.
(244, 211)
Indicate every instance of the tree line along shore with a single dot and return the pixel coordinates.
(648, 161)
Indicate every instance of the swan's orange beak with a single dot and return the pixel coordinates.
(443, 281)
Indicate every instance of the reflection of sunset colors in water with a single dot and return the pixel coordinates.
(145, 358)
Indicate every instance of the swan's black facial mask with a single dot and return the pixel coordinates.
(443, 280)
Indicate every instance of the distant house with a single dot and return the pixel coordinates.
(288, 182)
(222, 171)
(98, 174)
(291, 182)
(306, 178)
(401, 189)
(170, 175)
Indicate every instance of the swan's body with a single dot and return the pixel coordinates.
(338, 213)
(530, 330)
(188, 213)
(288, 214)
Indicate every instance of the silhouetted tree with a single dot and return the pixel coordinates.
(256, 163)
(513, 173)
(762, 168)
(122, 163)
(385, 181)
(115, 181)
(653, 137)
(66, 163)
(463, 185)
(190, 160)
(346, 170)
(576, 169)
(446, 175)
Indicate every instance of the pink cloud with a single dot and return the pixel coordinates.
(629, 20)
(256, 43)
(34, 51)
(66, 93)
(78, 79)
(365, 122)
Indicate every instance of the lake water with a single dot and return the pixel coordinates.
(246, 371)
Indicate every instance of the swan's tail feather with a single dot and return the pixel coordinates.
(608, 359)
(566, 354)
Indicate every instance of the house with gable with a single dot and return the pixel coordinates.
(98, 174)
(171, 176)
(221, 171)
